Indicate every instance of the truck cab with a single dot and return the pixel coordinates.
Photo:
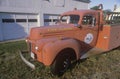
(78, 34)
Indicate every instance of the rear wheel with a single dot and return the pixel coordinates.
(62, 62)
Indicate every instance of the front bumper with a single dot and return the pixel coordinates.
(26, 61)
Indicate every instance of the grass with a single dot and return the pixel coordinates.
(105, 66)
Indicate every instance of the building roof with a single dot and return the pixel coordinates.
(86, 1)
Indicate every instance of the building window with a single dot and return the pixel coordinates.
(46, 0)
(21, 20)
(85, 1)
(32, 20)
(8, 20)
(47, 20)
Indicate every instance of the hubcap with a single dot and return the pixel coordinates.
(65, 65)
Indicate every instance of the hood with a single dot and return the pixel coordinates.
(51, 31)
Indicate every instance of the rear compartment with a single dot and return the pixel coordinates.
(109, 37)
(114, 36)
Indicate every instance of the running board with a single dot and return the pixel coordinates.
(91, 52)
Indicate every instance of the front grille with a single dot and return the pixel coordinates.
(31, 49)
(29, 46)
(35, 56)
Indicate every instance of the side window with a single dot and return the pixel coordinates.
(89, 20)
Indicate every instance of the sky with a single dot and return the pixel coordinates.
(107, 4)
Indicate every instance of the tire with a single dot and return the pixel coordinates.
(62, 63)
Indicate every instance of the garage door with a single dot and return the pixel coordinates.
(50, 19)
(16, 26)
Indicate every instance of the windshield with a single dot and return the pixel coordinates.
(70, 19)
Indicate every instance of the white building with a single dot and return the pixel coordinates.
(17, 17)
(117, 10)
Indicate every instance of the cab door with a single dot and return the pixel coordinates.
(89, 28)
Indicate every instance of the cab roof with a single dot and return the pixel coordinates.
(79, 12)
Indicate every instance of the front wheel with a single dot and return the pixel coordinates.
(61, 63)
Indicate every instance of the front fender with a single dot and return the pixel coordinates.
(51, 50)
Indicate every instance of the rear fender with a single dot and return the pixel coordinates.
(52, 49)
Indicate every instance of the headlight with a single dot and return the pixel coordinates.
(36, 48)
(26, 40)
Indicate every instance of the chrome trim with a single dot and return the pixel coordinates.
(26, 61)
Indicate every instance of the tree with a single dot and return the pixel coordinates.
(95, 8)
(108, 10)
